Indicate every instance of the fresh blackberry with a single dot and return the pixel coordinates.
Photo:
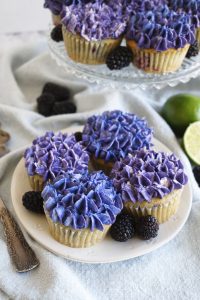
(61, 93)
(33, 201)
(196, 172)
(56, 33)
(78, 136)
(64, 107)
(193, 50)
(123, 229)
(147, 227)
(45, 104)
(119, 58)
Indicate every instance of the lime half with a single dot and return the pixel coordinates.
(191, 141)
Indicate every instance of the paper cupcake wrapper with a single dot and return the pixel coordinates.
(88, 52)
(80, 238)
(153, 61)
(36, 182)
(198, 36)
(56, 19)
(161, 209)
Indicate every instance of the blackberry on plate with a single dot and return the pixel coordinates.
(33, 201)
(61, 93)
(64, 107)
(45, 104)
(56, 33)
(78, 136)
(193, 50)
(196, 172)
(123, 228)
(119, 58)
(147, 227)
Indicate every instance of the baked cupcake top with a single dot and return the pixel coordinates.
(114, 134)
(161, 29)
(54, 154)
(96, 20)
(57, 7)
(148, 174)
(88, 201)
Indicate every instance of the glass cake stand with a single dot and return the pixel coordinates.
(127, 78)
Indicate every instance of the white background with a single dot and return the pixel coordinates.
(23, 15)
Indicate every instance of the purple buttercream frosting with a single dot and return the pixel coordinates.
(96, 20)
(148, 174)
(88, 201)
(161, 29)
(114, 134)
(54, 154)
(57, 7)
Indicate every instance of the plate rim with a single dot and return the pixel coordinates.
(155, 246)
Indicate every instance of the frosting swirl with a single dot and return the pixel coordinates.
(114, 134)
(88, 201)
(161, 29)
(148, 174)
(96, 20)
(54, 154)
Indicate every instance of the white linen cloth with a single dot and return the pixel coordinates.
(171, 272)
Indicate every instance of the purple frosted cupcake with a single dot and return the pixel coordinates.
(57, 8)
(92, 30)
(81, 209)
(150, 183)
(52, 155)
(112, 135)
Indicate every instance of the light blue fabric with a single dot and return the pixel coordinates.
(171, 272)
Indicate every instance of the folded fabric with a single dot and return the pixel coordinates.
(170, 272)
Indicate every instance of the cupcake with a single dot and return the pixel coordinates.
(159, 39)
(81, 208)
(52, 155)
(91, 31)
(150, 183)
(57, 9)
(112, 135)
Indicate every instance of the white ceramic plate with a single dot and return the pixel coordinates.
(108, 250)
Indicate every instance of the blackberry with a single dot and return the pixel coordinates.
(196, 172)
(147, 227)
(123, 229)
(78, 136)
(45, 104)
(64, 107)
(119, 58)
(33, 201)
(193, 50)
(61, 93)
(56, 33)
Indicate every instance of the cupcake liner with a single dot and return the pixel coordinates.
(198, 36)
(161, 209)
(56, 19)
(152, 61)
(36, 182)
(100, 164)
(80, 238)
(88, 52)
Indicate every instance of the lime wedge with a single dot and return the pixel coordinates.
(191, 141)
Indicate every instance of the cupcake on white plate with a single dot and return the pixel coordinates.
(57, 8)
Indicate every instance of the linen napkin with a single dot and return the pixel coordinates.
(171, 271)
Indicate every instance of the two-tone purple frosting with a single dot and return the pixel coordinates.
(88, 201)
(57, 7)
(96, 20)
(54, 154)
(148, 174)
(161, 29)
(114, 134)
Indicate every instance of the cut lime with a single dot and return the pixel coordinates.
(191, 141)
